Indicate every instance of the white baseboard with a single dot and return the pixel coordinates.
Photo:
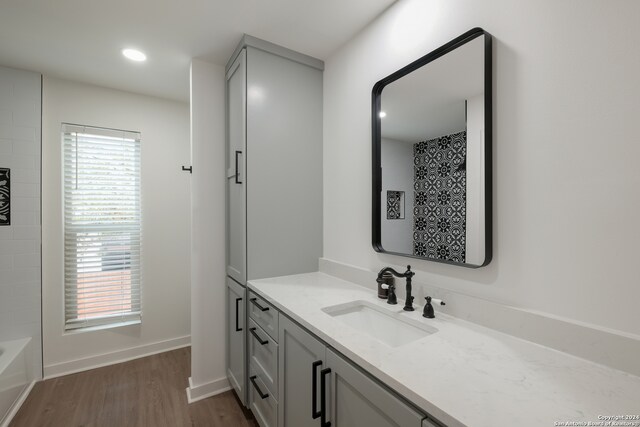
(17, 404)
(202, 391)
(616, 349)
(100, 360)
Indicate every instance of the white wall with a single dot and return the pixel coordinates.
(20, 101)
(164, 127)
(397, 175)
(566, 177)
(208, 291)
(475, 249)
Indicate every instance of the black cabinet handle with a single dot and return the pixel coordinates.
(314, 389)
(323, 398)
(253, 300)
(188, 169)
(238, 329)
(237, 171)
(255, 334)
(255, 385)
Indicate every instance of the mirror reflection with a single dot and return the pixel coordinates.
(432, 158)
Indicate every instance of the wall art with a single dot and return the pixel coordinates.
(5, 197)
(395, 204)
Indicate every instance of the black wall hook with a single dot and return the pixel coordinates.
(190, 169)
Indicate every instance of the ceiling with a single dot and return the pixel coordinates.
(82, 39)
(430, 101)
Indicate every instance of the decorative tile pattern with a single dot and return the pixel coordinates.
(5, 197)
(395, 204)
(440, 198)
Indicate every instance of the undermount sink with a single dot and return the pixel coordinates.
(388, 327)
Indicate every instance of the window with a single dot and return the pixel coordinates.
(102, 226)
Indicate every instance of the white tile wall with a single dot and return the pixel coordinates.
(20, 259)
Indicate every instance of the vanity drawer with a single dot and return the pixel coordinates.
(263, 356)
(262, 402)
(264, 314)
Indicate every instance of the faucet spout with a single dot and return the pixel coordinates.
(387, 270)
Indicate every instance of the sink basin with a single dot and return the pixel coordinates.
(391, 328)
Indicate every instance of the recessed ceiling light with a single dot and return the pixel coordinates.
(134, 55)
(383, 114)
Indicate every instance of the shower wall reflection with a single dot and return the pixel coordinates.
(20, 237)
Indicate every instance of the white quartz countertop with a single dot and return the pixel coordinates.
(464, 374)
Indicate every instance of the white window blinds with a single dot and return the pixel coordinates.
(102, 226)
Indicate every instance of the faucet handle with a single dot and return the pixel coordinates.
(428, 311)
(391, 298)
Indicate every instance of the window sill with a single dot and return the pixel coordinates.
(102, 327)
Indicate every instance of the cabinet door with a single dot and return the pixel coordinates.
(284, 166)
(356, 400)
(236, 185)
(301, 358)
(236, 337)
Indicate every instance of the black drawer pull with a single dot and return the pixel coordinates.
(238, 170)
(323, 398)
(255, 334)
(314, 389)
(255, 385)
(238, 328)
(257, 304)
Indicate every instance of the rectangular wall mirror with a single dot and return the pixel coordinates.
(432, 143)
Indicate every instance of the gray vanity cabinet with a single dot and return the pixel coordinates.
(263, 361)
(356, 400)
(273, 168)
(236, 179)
(274, 161)
(298, 352)
(353, 398)
(235, 337)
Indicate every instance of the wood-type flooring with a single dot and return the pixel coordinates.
(146, 392)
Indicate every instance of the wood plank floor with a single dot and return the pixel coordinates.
(143, 392)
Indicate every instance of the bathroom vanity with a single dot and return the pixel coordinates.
(456, 374)
(299, 379)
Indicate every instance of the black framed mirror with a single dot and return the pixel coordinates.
(432, 131)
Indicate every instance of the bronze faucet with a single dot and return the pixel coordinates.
(408, 304)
